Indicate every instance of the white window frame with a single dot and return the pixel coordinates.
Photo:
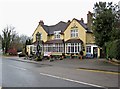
(74, 33)
(75, 45)
(88, 49)
(54, 47)
(57, 34)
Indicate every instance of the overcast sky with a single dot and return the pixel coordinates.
(24, 15)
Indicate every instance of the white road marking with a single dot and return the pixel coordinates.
(71, 80)
(17, 67)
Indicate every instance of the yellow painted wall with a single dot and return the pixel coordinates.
(87, 38)
(81, 32)
(98, 52)
(90, 38)
(49, 37)
(61, 36)
(42, 31)
(28, 49)
(52, 37)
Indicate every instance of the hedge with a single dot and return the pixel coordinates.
(113, 49)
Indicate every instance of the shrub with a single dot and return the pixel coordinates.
(118, 49)
(12, 52)
(113, 49)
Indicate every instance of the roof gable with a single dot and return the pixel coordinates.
(62, 26)
(37, 28)
(83, 25)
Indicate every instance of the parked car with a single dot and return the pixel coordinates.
(20, 54)
(89, 55)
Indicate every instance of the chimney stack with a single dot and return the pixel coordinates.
(89, 20)
(41, 22)
(68, 21)
(82, 20)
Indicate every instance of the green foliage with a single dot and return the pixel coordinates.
(110, 49)
(117, 54)
(40, 57)
(113, 49)
(28, 42)
(11, 40)
(105, 19)
(106, 27)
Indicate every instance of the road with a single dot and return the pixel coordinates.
(0, 72)
(22, 74)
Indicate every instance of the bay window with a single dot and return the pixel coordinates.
(73, 47)
(54, 47)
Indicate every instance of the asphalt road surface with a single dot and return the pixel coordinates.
(22, 74)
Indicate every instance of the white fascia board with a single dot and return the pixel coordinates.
(93, 45)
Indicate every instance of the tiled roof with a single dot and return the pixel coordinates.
(84, 25)
(61, 26)
(37, 42)
(54, 41)
(74, 41)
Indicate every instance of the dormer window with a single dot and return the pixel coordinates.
(57, 34)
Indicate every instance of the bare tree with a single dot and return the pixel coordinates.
(23, 38)
(7, 37)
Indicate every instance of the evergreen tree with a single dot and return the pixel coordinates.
(104, 22)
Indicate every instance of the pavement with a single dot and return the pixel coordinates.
(86, 64)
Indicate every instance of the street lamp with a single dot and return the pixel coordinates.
(38, 38)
